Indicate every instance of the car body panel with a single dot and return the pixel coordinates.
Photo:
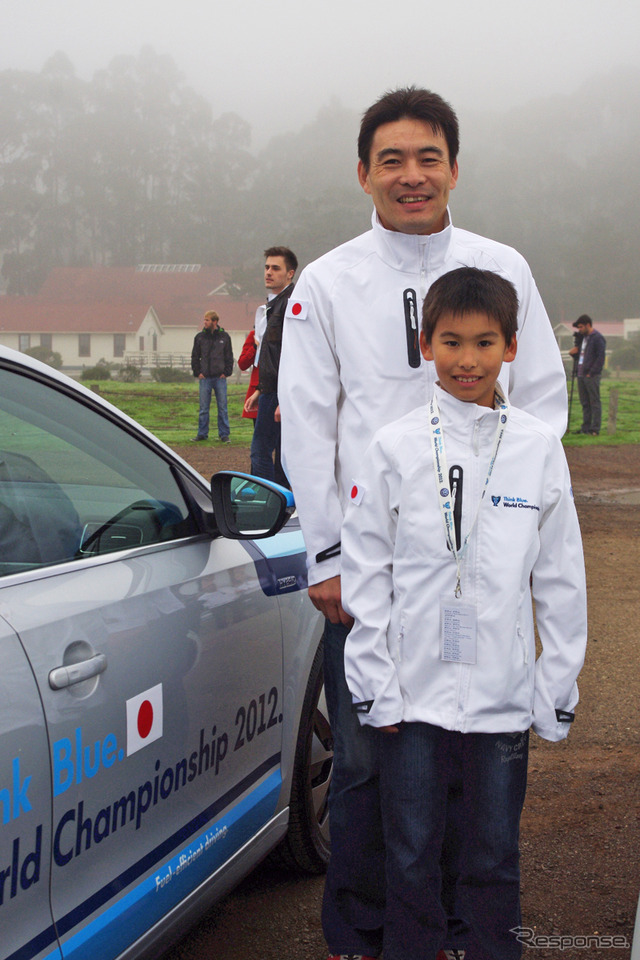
(192, 613)
(161, 680)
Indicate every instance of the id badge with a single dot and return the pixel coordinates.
(458, 631)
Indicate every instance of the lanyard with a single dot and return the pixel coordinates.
(442, 480)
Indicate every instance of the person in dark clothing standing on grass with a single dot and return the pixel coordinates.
(590, 356)
(212, 363)
(279, 270)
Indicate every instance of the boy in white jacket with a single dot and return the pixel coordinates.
(459, 506)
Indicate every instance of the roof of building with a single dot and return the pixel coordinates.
(34, 315)
(116, 299)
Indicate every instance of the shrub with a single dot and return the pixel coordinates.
(101, 371)
(129, 373)
(45, 355)
(626, 356)
(171, 375)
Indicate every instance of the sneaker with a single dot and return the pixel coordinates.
(198, 439)
(225, 440)
(450, 954)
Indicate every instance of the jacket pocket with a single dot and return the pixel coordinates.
(524, 646)
(396, 645)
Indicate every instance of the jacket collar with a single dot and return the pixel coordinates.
(283, 293)
(460, 413)
(404, 251)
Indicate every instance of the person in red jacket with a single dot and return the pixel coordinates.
(245, 360)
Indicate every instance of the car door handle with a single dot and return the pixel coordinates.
(61, 677)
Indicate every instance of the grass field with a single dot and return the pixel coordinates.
(171, 411)
(627, 428)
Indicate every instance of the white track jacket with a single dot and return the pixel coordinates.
(345, 370)
(396, 565)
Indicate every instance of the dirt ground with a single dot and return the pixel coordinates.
(581, 824)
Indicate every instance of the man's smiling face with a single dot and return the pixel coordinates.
(409, 176)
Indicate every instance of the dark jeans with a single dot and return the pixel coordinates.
(265, 443)
(589, 393)
(353, 905)
(417, 765)
(219, 386)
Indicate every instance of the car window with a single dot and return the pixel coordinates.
(75, 484)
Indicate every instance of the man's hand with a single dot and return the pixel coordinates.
(326, 597)
(276, 415)
(388, 729)
(251, 402)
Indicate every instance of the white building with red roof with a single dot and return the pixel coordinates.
(147, 314)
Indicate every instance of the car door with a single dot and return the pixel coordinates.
(157, 656)
(26, 927)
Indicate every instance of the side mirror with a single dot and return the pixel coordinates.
(248, 508)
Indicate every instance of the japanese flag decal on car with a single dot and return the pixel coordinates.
(144, 719)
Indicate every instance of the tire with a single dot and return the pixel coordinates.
(307, 845)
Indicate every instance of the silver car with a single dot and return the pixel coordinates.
(162, 721)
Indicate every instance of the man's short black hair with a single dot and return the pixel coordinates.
(470, 290)
(584, 319)
(289, 257)
(416, 103)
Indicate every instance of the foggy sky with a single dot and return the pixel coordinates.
(277, 64)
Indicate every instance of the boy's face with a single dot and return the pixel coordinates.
(468, 352)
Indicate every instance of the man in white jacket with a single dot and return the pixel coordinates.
(457, 507)
(350, 364)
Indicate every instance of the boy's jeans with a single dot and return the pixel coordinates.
(219, 386)
(416, 766)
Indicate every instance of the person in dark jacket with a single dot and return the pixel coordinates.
(590, 356)
(279, 270)
(212, 363)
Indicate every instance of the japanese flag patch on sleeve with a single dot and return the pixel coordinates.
(357, 493)
(297, 309)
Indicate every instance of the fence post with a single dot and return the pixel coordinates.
(613, 410)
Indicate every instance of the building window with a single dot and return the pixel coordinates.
(46, 340)
(141, 344)
(154, 341)
(118, 344)
(84, 344)
(24, 342)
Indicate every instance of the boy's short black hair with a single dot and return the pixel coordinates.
(470, 290)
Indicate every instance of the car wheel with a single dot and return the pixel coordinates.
(306, 846)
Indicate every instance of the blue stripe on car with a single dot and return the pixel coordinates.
(122, 923)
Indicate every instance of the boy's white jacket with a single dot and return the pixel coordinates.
(396, 565)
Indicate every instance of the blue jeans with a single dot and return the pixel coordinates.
(219, 386)
(417, 766)
(353, 904)
(265, 443)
